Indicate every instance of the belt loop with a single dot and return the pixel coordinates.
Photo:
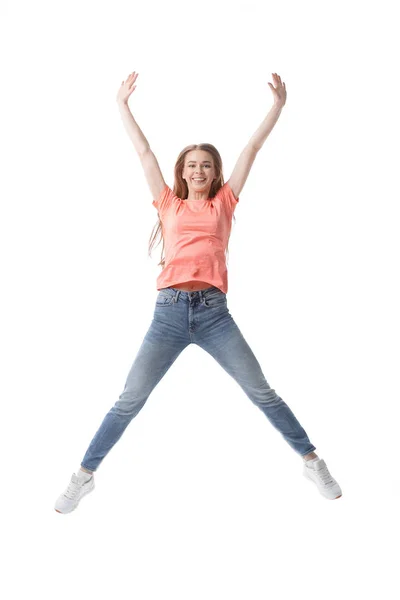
(203, 298)
(175, 298)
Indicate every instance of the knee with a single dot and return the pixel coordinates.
(269, 397)
(128, 404)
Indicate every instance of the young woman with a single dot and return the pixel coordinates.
(191, 307)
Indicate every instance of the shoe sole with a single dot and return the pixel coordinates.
(311, 479)
(76, 506)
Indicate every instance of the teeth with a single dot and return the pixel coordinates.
(198, 179)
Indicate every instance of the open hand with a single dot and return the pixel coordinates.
(279, 91)
(127, 87)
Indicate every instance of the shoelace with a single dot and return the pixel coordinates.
(325, 476)
(72, 490)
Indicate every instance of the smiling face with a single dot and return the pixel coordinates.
(199, 173)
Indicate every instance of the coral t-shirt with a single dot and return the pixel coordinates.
(195, 241)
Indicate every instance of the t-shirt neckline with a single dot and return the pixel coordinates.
(204, 207)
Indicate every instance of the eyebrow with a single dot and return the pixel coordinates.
(204, 161)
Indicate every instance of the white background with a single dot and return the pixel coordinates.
(201, 498)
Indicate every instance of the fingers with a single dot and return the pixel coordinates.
(131, 78)
(278, 79)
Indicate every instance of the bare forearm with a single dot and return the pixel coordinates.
(135, 133)
(259, 137)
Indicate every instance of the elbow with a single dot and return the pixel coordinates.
(144, 151)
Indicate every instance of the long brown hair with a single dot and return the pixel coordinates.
(181, 190)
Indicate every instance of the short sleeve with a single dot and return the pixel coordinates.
(164, 200)
(227, 196)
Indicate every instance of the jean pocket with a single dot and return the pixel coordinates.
(215, 299)
(164, 299)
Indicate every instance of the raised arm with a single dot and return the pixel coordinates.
(149, 162)
(248, 155)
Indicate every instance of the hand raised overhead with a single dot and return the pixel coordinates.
(279, 92)
(127, 87)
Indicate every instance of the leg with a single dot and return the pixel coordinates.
(159, 350)
(310, 456)
(226, 344)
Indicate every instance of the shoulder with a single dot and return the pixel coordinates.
(225, 193)
(165, 199)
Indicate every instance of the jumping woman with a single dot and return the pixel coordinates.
(195, 219)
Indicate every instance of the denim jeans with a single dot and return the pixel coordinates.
(203, 318)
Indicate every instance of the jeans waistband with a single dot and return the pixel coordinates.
(190, 295)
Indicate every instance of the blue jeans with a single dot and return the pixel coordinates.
(182, 318)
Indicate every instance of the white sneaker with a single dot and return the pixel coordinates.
(77, 488)
(317, 471)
